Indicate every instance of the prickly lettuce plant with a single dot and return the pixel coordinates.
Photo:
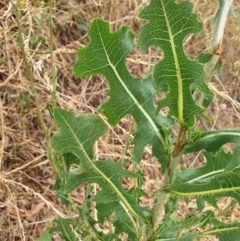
(184, 86)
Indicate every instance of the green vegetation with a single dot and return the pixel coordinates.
(183, 81)
(139, 146)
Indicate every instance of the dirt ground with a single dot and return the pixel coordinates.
(27, 204)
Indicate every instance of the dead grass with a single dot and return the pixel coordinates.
(27, 204)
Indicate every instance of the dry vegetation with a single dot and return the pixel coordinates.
(27, 204)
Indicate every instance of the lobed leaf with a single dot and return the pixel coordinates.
(222, 185)
(224, 231)
(227, 232)
(106, 54)
(210, 181)
(169, 23)
(77, 135)
(185, 228)
(214, 140)
(216, 164)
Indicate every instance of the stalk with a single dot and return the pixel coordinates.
(218, 27)
(31, 82)
(215, 44)
(53, 74)
(169, 177)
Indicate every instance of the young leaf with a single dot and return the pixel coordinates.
(77, 135)
(169, 23)
(106, 54)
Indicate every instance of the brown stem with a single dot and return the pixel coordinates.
(169, 176)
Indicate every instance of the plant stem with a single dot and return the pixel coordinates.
(215, 46)
(168, 178)
(53, 74)
(218, 27)
(31, 81)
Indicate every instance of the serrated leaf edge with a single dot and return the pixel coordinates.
(203, 193)
(132, 97)
(119, 194)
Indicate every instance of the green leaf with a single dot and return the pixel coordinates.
(176, 229)
(169, 23)
(200, 204)
(188, 236)
(60, 182)
(112, 173)
(77, 135)
(216, 163)
(46, 236)
(226, 232)
(226, 184)
(106, 54)
(173, 228)
(122, 224)
(204, 57)
(66, 227)
(104, 210)
(210, 181)
(214, 140)
(206, 218)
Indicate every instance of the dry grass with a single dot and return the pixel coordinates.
(27, 204)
